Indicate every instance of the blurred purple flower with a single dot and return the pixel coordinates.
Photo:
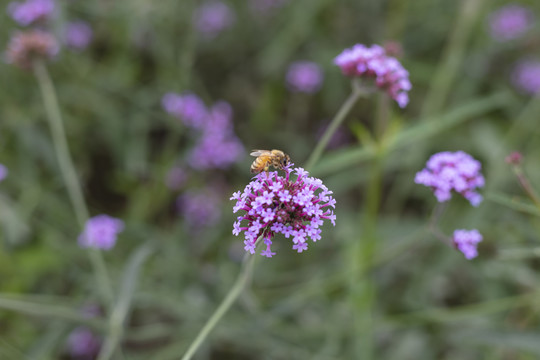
(100, 232)
(466, 242)
(78, 35)
(200, 208)
(82, 343)
(25, 47)
(510, 22)
(304, 76)
(218, 146)
(30, 11)
(176, 178)
(188, 107)
(373, 62)
(447, 171)
(526, 76)
(213, 17)
(275, 204)
(3, 172)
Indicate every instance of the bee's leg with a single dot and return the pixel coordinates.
(266, 171)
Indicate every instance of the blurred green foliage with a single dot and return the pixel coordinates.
(426, 301)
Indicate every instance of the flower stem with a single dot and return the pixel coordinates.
(67, 170)
(357, 92)
(232, 295)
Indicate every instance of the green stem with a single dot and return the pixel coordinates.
(67, 170)
(356, 93)
(232, 295)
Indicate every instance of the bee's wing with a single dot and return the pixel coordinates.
(260, 152)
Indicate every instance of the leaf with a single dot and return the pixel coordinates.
(513, 203)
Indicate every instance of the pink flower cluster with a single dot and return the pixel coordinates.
(447, 171)
(466, 241)
(373, 62)
(275, 204)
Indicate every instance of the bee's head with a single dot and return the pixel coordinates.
(286, 160)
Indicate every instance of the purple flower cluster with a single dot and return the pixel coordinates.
(199, 208)
(373, 62)
(100, 232)
(31, 11)
(510, 22)
(3, 172)
(304, 76)
(447, 171)
(188, 107)
(212, 18)
(466, 241)
(275, 204)
(83, 343)
(526, 76)
(78, 35)
(218, 146)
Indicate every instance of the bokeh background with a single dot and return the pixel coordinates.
(138, 162)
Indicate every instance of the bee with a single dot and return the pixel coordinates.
(266, 158)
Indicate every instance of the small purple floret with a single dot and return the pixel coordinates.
(526, 76)
(213, 17)
(304, 76)
(275, 204)
(3, 172)
(466, 241)
(373, 62)
(100, 232)
(447, 171)
(78, 35)
(510, 22)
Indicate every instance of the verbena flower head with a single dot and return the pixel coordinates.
(31, 11)
(83, 343)
(218, 146)
(25, 47)
(510, 22)
(213, 17)
(295, 207)
(3, 172)
(188, 107)
(373, 62)
(304, 76)
(100, 232)
(466, 241)
(199, 208)
(447, 171)
(526, 76)
(78, 35)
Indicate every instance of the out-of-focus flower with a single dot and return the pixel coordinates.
(83, 343)
(275, 204)
(78, 35)
(100, 232)
(213, 17)
(466, 241)
(514, 158)
(218, 146)
(25, 47)
(30, 11)
(304, 76)
(3, 172)
(447, 171)
(526, 76)
(263, 7)
(199, 208)
(188, 107)
(373, 62)
(510, 22)
(176, 178)
(393, 48)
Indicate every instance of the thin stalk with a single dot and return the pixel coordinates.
(356, 93)
(232, 295)
(67, 170)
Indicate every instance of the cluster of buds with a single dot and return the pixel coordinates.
(26, 47)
